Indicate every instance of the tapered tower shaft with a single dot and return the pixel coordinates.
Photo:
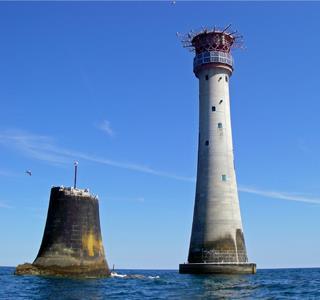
(217, 235)
(217, 229)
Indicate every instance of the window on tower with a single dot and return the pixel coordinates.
(220, 125)
(224, 177)
(213, 108)
(207, 143)
(207, 77)
(226, 78)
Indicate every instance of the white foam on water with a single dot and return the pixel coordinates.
(154, 277)
(114, 274)
(133, 276)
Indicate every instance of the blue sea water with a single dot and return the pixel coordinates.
(266, 284)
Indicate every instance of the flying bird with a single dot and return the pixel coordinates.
(29, 172)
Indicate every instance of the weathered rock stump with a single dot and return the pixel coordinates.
(72, 242)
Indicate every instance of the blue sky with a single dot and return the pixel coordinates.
(109, 85)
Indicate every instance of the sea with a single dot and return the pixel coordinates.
(166, 284)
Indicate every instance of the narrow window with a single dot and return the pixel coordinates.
(226, 78)
(219, 78)
(207, 77)
(220, 101)
(220, 125)
(213, 108)
(207, 143)
(224, 177)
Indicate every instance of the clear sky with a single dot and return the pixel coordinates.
(109, 85)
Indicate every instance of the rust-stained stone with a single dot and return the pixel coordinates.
(209, 268)
(72, 243)
(78, 271)
(234, 249)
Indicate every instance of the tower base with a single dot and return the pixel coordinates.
(76, 271)
(213, 268)
(72, 243)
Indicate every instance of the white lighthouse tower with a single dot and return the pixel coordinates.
(217, 242)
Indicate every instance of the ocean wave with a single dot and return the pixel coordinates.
(132, 276)
(154, 277)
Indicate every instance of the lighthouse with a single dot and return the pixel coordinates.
(217, 242)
